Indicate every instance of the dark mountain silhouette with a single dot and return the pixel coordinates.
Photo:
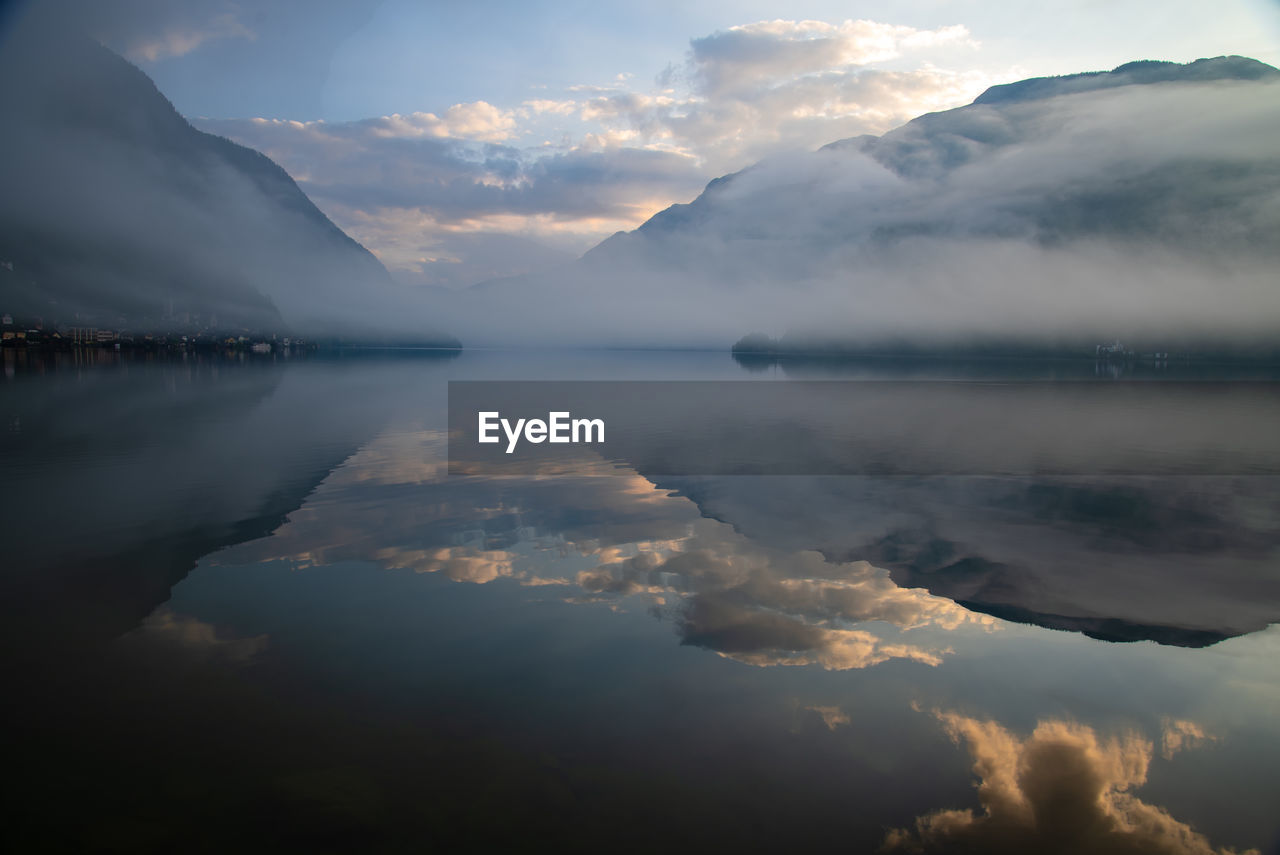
(118, 212)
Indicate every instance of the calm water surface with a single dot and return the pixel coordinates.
(246, 608)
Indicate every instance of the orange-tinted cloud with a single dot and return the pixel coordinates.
(1063, 789)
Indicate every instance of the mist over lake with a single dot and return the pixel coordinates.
(718, 427)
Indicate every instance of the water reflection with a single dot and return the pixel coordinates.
(602, 534)
(1063, 789)
(1178, 560)
(196, 640)
(125, 471)
(295, 631)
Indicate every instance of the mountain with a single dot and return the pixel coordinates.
(1139, 203)
(117, 212)
(1131, 73)
(1002, 122)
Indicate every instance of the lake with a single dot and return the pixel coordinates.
(250, 605)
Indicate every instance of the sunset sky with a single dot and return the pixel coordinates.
(465, 141)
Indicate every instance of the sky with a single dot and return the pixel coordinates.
(467, 141)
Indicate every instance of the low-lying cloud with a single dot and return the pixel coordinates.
(1140, 212)
(1144, 212)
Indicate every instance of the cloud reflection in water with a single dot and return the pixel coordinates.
(608, 539)
(1061, 789)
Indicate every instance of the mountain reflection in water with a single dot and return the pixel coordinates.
(233, 617)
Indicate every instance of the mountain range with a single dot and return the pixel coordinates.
(1050, 214)
(1139, 203)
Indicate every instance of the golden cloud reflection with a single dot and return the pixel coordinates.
(1062, 789)
(198, 638)
(461, 564)
(1179, 734)
(832, 716)
(605, 534)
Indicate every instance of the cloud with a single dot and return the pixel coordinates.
(564, 172)
(477, 120)
(1178, 734)
(1062, 789)
(611, 538)
(765, 53)
(772, 86)
(1080, 217)
(197, 638)
(765, 638)
(149, 30)
(768, 110)
(832, 716)
(461, 564)
(440, 200)
(181, 41)
(549, 105)
(767, 607)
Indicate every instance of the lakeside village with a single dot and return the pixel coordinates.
(37, 333)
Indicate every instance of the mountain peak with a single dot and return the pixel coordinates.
(1140, 72)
